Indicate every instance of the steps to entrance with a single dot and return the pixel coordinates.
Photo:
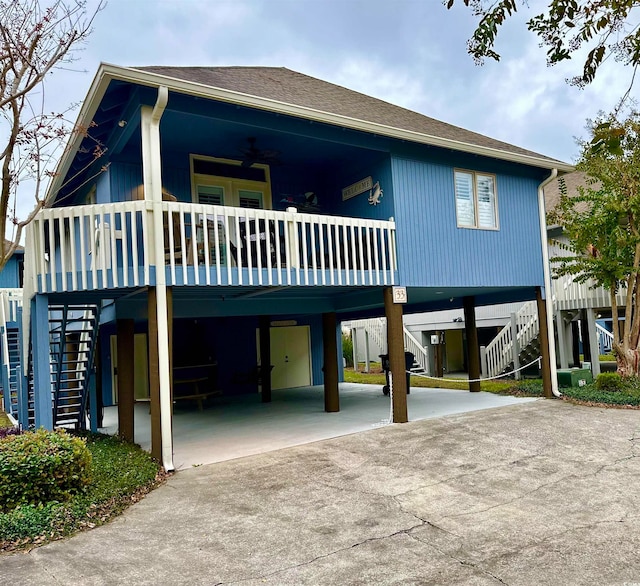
(73, 331)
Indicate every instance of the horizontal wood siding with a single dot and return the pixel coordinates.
(434, 252)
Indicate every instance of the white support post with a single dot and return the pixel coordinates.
(515, 347)
(561, 328)
(354, 348)
(152, 173)
(483, 362)
(366, 350)
(593, 342)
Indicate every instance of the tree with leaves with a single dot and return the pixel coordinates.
(602, 224)
(602, 29)
(36, 37)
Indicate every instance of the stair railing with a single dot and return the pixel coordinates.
(377, 330)
(605, 339)
(419, 353)
(499, 352)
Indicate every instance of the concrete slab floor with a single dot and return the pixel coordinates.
(233, 427)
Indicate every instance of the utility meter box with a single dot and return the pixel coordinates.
(574, 377)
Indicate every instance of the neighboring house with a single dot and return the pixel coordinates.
(582, 310)
(236, 217)
(11, 278)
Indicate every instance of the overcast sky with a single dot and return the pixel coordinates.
(409, 52)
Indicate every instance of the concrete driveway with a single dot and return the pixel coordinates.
(531, 494)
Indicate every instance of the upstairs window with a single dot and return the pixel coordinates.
(228, 183)
(476, 200)
(210, 194)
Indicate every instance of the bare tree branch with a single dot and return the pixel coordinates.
(36, 37)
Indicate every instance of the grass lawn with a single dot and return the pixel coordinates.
(626, 397)
(525, 387)
(4, 420)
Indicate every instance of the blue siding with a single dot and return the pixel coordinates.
(103, 187)
(359, 206)
(434, 252)
(125, 183)
(10, 274)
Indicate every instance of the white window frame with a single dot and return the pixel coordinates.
(476, 225)
(231, 186)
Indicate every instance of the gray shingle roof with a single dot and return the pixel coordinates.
(571, 181)
(291, 87)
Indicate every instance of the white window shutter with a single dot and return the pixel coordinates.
(486, 201)
(464, 199)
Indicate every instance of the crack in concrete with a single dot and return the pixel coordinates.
(634, 441)
(635, 446)
(558, 535)
(324, 556)
(510, 501)
(461, 561)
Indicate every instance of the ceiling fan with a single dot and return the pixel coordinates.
(252, 154)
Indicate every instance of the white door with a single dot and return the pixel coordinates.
(290, 357)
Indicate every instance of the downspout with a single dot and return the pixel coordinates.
(547, 282)
(153, 192)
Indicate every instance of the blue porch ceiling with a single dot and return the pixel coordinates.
(184, 132)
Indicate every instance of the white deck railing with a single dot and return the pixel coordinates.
(11, 300)
(569, 295)
(377, 329)
(108, 246)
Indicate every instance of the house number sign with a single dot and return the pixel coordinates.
(357, 188)
(399, 294)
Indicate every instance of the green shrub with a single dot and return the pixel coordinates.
(120, 474)
(609, 381)
(41, 467)
(347, 349)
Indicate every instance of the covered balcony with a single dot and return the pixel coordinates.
(115, 246)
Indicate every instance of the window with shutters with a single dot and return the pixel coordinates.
(227, 183)
(476, 200)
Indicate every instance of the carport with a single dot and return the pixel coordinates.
(233, 427)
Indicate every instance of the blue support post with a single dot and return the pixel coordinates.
(41, 361)
(93, 402)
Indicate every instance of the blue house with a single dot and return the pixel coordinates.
(210, 227)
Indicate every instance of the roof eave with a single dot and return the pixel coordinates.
(107, 72)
